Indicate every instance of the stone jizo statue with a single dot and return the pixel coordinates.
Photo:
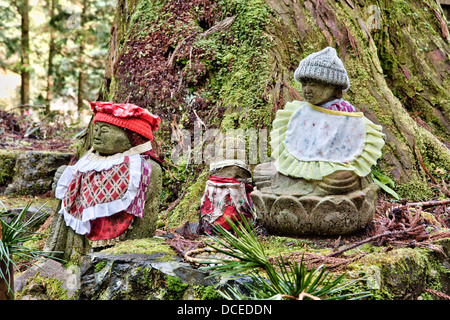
(227, 192)
(113, 192)
(324, 148)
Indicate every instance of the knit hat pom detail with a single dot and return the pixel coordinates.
(323, 66)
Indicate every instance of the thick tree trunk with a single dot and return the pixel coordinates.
(81, 73)
(51, 52)
(396, 54)
(183, 60)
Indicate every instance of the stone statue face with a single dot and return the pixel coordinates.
(110, 139)
(318, 93)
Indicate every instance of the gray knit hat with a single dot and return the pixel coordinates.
(324, 66)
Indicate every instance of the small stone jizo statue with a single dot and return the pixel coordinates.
(227, 192)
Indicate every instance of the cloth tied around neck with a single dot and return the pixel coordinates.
(101, 195)
(311, 142)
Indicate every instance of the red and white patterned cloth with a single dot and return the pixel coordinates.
(101, 195)
(339, 105)
(224, 198)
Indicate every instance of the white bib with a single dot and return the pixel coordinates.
(317, 134)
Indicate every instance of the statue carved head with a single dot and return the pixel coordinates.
(115, 124)
(230, 160)
(319, 93)
(110, 139)
(323, 76)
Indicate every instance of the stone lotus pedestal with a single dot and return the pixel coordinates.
(340, 204)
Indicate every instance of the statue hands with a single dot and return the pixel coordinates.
(58, 174)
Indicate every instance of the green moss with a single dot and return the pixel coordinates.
(16, 201)
(239, 65)
(386, 273)
(401, 273)
(54, 289)
(175, 288)
(144, 246)
(275, 246)
(415, 189)
(230, 121)
(45, 288)
(206, 293)
(7, 164)
(99, 266)
(434, 157)
(147, 276)
(146, 11)
(112, 88)
(189, 207)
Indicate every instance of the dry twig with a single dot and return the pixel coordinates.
(182, 245)
(438, 294)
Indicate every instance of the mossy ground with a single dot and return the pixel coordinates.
(144, 246)
(386, 272)
(18, 201)
(42, 288)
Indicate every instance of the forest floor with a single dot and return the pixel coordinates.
(20, 132)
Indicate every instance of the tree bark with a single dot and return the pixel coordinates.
(81, 73)
(51, 52)
(23, 8)
(398, 74)
(396, 54)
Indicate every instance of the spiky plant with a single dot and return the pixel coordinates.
(13, 251)
(285, 280)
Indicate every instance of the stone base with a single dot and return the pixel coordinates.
(29, 172)
(314, 213)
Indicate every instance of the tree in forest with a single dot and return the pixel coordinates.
(230, 64)
(83, 47)
(22, 7)
(65, 45)
(51, 7)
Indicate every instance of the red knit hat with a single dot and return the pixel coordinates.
(128, 116)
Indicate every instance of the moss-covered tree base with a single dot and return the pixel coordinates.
(229, 65)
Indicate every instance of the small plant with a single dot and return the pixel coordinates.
(13, 251)
(285, 280)
(384, 182)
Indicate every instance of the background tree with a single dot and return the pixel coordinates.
(23, 7)
(51, 7)
(67, 43)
